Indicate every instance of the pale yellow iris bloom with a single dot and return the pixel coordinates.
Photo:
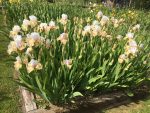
(33, 39)
(63, 38)
(34, 65)
(18, 63)
(122, 58)
(64, 19)
(68, 63)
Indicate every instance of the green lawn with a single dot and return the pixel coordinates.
(9, 99)
(140, 106)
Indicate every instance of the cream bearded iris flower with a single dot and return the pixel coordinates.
(63, 38)
(104, 20)
(29, 51)
(48, 43)
(87, 30)
(25, 25)
(33, 39)
(15, 30)
(131, 48)
(17, 44)
(68, 63)
(18, 63)
(12, 47)
(95, 22)
(116, 22)
(122, 58)
(99, 14)
(64, 19)
(132, 43)
(136, 27)
(130, 35)
(119, 37)
(20, 44)
(96, 29)
(33, 20)
(33, 65)
(43, 26)
(52, 25)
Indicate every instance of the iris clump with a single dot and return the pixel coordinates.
(63, 58)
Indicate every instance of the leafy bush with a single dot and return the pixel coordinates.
(141, 4)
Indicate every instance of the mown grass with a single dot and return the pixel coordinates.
(9, 97)
(145, 107)
(130, 106)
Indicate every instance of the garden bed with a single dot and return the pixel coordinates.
(91, 104)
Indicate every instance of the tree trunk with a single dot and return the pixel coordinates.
(130, 2)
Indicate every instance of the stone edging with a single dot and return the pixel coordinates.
(28, 100)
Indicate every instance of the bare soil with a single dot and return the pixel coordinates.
(116, 102)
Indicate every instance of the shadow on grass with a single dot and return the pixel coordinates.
(105, 102)
(3, 97)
